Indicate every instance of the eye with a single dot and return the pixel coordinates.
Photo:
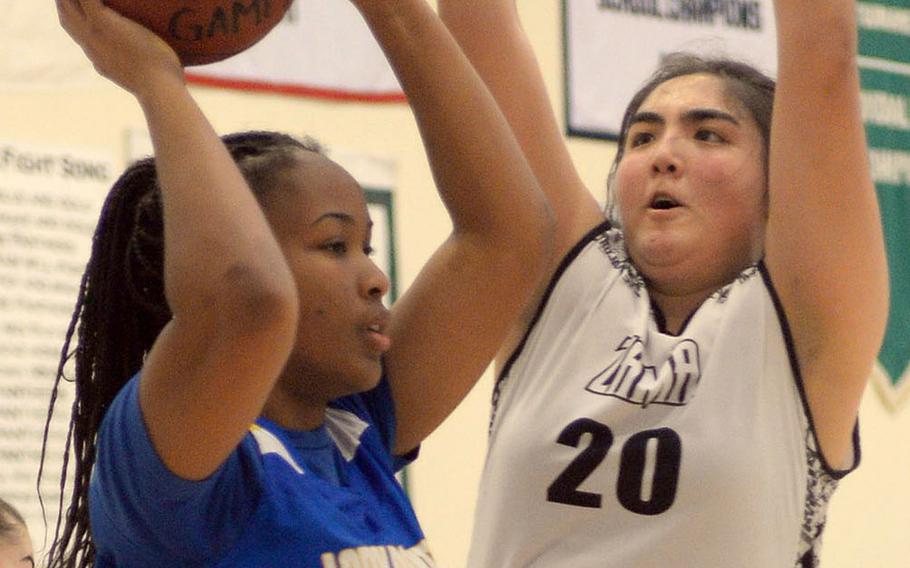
(336, 247)
(368, 250)
(706, 135)
(639, 138)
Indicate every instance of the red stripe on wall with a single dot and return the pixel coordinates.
(296, 90)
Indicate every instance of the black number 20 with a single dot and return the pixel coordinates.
(564, 488)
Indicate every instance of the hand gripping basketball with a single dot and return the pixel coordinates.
(205, 31)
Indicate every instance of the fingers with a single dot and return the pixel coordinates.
(70, 15)
(88, 22)
(76, 16)
(79, 18)
(92, 8)
(69, 7)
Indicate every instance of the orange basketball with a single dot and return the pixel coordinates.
(205, 31)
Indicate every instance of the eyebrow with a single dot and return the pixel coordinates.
(31, 559)
(341, 217)
(693, 115)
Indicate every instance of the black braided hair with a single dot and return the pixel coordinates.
(121, 309)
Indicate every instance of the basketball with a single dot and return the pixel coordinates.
(205, 31)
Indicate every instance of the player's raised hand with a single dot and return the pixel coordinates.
(120, 49)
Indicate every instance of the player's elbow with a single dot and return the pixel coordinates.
(255, 300)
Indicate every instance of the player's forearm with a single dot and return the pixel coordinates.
(824, 230)
(214, 229)
(480, 171)
(492, 36)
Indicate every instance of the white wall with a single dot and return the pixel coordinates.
(870, 515)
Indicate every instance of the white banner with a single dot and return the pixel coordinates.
(49, 203)
(37, 53)
(612, 47)
(322, 48)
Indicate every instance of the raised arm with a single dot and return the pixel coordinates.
(447, 327)
(226, 280)
(491, 35)
(825, 248)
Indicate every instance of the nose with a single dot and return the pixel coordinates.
(667, 158)
(664, 167)
(374, 283)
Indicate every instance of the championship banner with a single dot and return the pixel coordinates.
(611, 47)
(322, 48)
(884, 48)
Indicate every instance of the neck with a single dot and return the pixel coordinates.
(677, 307)
(292, 412)
(678, 297)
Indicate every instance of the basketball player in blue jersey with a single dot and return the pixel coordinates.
(685, 390)
(243, 398)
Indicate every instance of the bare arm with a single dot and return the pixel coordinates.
(824, 244)
(491, 35)
(448, 326)
(228, 286)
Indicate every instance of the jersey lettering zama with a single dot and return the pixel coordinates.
(616, 445)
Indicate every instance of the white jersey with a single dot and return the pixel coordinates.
(615, 444)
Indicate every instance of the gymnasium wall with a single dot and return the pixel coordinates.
(870, 515)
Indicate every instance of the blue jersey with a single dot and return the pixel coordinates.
(324, 498)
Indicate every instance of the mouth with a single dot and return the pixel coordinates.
(663, 203)
(375, 331)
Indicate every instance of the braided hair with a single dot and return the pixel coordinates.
(120, 310)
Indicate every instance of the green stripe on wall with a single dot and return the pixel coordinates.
(896, 220)
(884, 45)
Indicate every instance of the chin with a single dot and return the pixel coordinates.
(367, 377)
(374, 381)
(658, 251)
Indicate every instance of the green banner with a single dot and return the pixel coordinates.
(884, 48)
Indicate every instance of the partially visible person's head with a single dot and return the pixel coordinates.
(121, 306)
(689, 184)
(744, 84)
(319, 216)
(15, 541)
(132, 220)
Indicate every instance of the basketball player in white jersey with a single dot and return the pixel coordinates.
(684, 391)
